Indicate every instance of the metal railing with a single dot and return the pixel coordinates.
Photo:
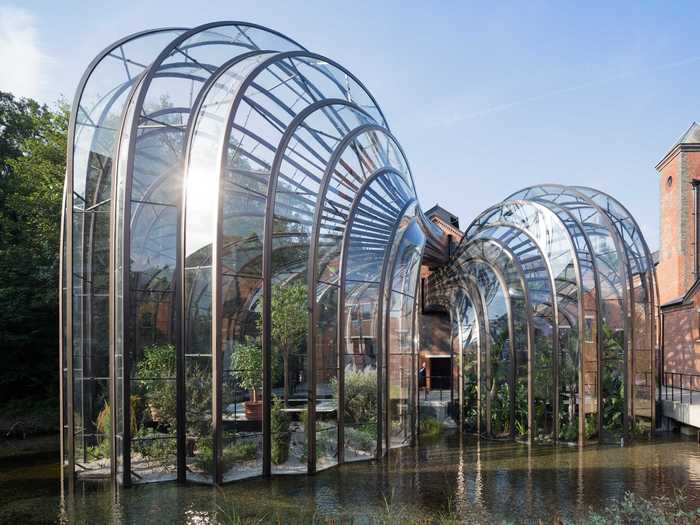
(678, 381)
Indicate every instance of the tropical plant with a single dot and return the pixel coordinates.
(568, 431)
(613, 385)
(591, 426)
(499, 389)
(521, 408)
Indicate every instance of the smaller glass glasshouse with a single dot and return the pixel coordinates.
(245, 266)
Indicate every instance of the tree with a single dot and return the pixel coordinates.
(246, 362)
(32, 167)
(289, 323)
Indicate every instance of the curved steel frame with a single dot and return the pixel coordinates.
(301, 163)
(620, 265)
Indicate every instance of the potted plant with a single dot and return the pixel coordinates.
(246, 363)
(290, 321)
(157, 364)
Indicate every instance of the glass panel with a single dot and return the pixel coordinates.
(360, 386)
(326, 376)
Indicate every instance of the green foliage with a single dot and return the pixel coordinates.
(360, 396)
(471, 401)
(430, 427)
(230, 455)
(103, 427)
(613, 405)
(591, 426)
(290, 316)
(241, 451)
(246, 364)
(290, 320)
(360, 439)
(521, 408)
(159, 362)
(568, 431)
(279, 425)
(155, 447)
(32, 167)
(204, 455)
(631, 510)
(659, 510)
(500, 408)
(156, 374)
(499, 390)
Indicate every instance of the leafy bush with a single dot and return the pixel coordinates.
(360, 396)
(568, 431)
(591, 427)
(289, 327)
(360, 439)
(430, 427)
(240, 451)
(659, 510)
(159, 362)
(204, 455)
(246, 365)
(155, 446)
(279, 425)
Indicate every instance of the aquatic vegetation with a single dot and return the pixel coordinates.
(658, 510)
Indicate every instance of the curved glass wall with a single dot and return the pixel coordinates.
(260, 264)
(85, 252)
(240, 271)
(584, 306)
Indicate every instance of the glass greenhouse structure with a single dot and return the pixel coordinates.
(241, 282)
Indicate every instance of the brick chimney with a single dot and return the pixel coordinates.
(679, 195)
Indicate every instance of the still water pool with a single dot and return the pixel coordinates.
(494, 481)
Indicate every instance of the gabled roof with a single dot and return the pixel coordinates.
(691, 136)
(689, 141)
(685, 299)
(440, 212)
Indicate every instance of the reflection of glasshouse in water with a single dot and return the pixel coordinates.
(240, 276)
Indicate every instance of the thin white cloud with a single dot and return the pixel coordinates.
(20, 54)
(497, 108)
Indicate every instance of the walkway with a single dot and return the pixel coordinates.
(676, 404)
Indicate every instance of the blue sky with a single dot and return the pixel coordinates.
(485, 99)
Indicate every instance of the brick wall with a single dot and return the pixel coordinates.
(681, 331)
(675, 272)
(671, 250)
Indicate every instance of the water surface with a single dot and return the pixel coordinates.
(492, 480)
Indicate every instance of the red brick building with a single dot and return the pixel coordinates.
(678, 270)
(435, 330)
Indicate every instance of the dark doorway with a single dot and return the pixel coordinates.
(440, 373)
